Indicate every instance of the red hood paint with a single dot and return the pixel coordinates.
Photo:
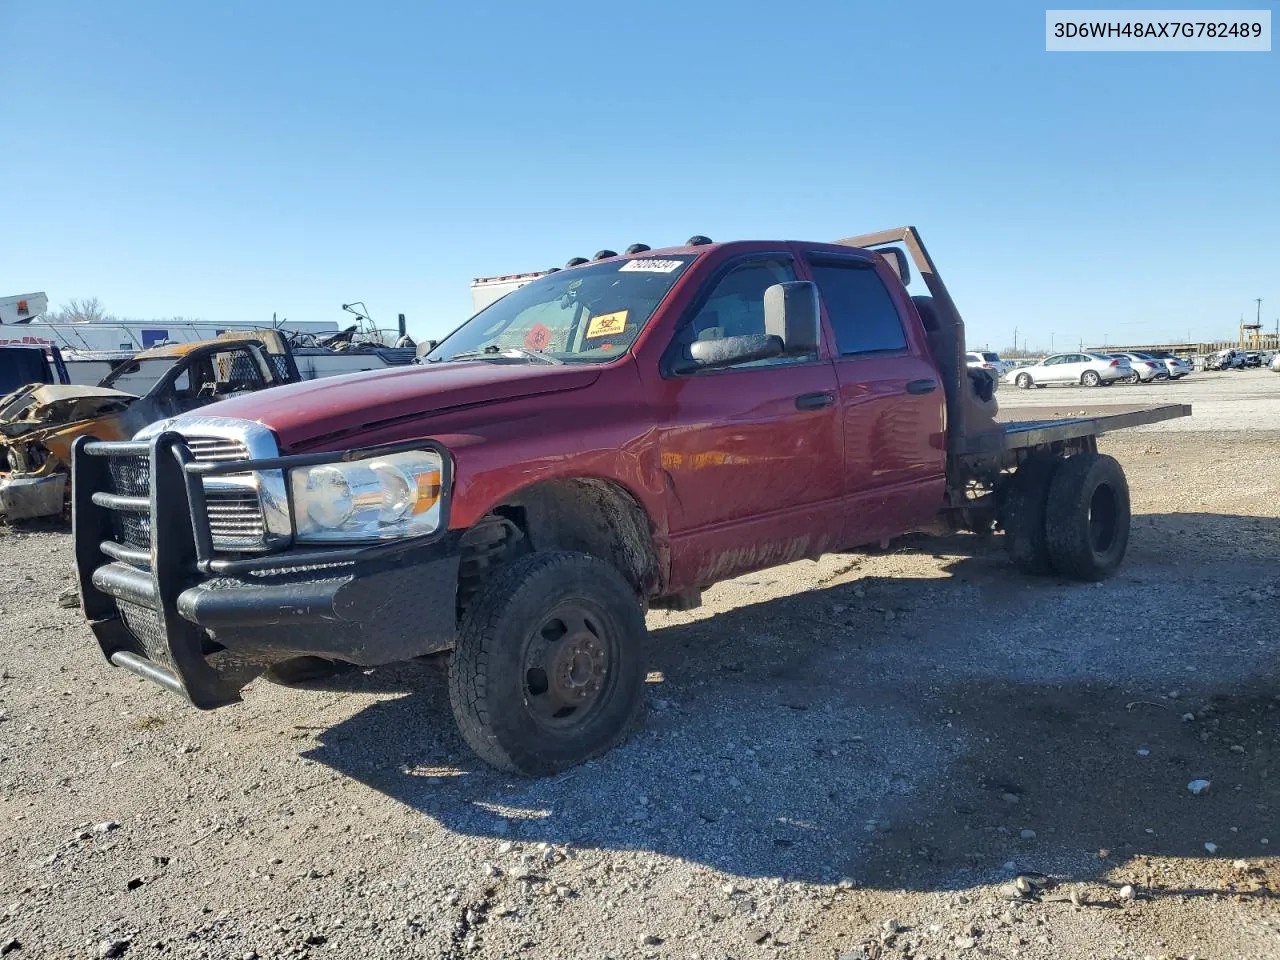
(302, 413)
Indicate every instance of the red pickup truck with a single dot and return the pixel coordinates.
(611, 437)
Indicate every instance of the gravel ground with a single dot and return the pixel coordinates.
(849, 758)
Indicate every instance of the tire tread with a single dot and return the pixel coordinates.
(480, 634)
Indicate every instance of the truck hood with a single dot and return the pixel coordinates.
(301, 414)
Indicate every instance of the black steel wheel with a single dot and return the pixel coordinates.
(549, 666)
(1087, 517)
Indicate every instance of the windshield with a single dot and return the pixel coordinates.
(586, 314)
(138, 376)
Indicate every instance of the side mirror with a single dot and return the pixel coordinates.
(730, 351)
(791, 314)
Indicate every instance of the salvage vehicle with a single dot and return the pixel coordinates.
(40, 422)
(1225, 360)
(609, 438)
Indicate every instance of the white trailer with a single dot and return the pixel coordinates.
(487, 290)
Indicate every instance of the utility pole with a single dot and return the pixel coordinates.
(1015, 339)
(1051, 336)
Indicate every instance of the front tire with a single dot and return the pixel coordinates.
(1090, 378)
(1087, 517)
(550, 663)
(1023, 381)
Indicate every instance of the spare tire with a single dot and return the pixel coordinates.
(1022, 514)
(1087, 517)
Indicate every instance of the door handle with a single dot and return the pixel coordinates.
(814, 401)
(922, 386)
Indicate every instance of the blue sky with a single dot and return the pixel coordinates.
(229, 160)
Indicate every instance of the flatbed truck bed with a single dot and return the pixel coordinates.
(1033, 429)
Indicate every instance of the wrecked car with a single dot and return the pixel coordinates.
(40, 422)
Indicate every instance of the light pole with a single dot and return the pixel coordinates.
(1051, 342)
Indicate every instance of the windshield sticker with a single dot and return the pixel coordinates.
(607, 324)
(650, 265)
(538, 337)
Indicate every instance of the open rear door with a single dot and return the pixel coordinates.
(967, 424)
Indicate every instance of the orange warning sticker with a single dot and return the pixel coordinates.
(538, 337)
(607, 324)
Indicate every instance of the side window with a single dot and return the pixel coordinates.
(735, 307)
(859, 307)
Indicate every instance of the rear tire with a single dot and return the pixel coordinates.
(549, 667)
(1087, 517)
(1090, 378)
(1022, 515)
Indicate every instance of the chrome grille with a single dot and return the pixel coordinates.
(217, 449)
(235, 513)
(235, 518)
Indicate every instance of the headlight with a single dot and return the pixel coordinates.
(395, 495)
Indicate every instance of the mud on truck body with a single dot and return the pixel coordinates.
(608, 438)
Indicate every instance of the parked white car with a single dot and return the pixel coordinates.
(1177, 367)
(1086, 369)
(1145, 368)
(1275, 363)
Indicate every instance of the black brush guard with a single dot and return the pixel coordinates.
(164, 604)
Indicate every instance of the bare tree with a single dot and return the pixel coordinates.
(89, 310)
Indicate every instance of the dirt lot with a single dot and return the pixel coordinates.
(841, 759)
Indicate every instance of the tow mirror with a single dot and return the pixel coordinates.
(730, 351)
(791, 314)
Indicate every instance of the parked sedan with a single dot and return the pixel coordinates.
(1086, 369)
(1145, 368)
(1177, 367)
